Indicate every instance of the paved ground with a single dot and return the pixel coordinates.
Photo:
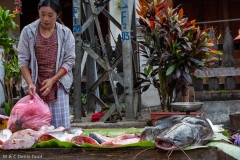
(87, 124)
(140, 122)
(122, 124)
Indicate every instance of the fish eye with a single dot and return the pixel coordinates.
(13, 141)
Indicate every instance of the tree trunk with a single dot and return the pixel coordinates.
(162, 90)
(185, 94)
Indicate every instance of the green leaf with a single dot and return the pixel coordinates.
(220, 136)
(147, 70)
(170, 69)
(53, 143)
(227, 148)
(112, 132)
(7, 109)
(225, 133)
(187, 77)
(145, 88)
(199, 63)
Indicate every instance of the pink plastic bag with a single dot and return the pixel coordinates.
(29, 113)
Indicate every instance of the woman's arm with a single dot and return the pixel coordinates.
(27, 76)
(48, 83)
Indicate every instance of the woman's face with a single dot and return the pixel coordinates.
(47, 16)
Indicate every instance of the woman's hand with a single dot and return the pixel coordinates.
(31, 89)
(47, 86)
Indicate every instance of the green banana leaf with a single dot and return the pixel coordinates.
(110, 132)
(227, 148)
(221, 142)
(113, 132)
(217, 137)
(53, 143)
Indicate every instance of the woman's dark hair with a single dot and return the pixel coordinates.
(54, 4)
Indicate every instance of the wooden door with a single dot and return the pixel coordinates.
(30, 13)
(222, 12)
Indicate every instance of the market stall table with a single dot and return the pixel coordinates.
(130, 153)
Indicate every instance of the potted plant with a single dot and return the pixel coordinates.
(173, 47)
(10, 63)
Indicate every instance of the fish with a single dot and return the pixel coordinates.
(19, 140)
(62, 135)
(150, 133)
(177, 132)
(122, 140)
(216, 128)
(79, 140)
(46, 128)
(24, 142)
(73, 130)
(99, 138)
(22, 139)
(45, 137)
(30, 132)
(5, 134)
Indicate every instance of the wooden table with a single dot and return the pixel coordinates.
(137, 153)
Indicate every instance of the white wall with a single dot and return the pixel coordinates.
(150, 97)
(116, 14)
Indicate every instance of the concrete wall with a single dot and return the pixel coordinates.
(217, 111)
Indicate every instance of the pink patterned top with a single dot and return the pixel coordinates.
(46, 54)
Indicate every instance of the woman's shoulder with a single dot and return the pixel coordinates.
(30, 27)
(64, 31)
(63, 27)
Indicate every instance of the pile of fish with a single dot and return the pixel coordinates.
(26, 138)
(170, 133)
(178, 131)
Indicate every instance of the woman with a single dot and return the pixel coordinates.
(46, 56)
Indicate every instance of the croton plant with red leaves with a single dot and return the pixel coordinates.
(173, 47)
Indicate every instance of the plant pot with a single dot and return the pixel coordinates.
(234, 121)
(159, 115)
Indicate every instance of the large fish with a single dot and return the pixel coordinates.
(100, 138)
(62, 135)
(23, 142)
(122, 140)
(176, 132)
(21, 139)
(108, 141)
(79, 140)
(30, 132)
(150, 133)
